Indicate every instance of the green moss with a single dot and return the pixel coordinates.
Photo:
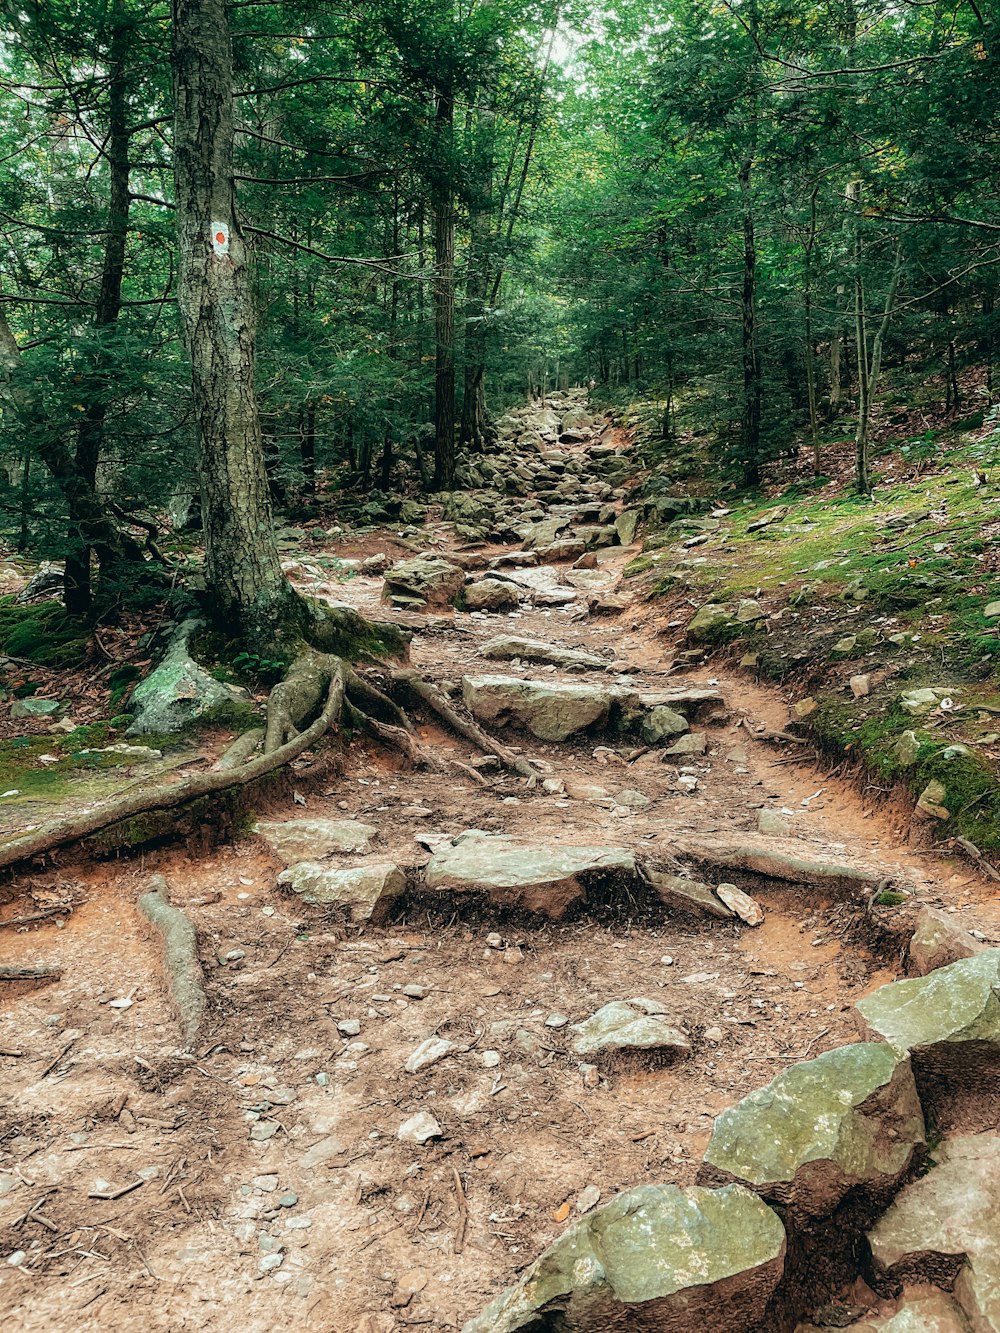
(41, 633)
(120, 681)
(889, 899)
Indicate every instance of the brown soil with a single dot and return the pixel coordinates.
(384, 1234)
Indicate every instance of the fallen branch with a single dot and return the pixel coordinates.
(180, 958)
(436, 701)
(143, 799)
(30, 973)
(463, 1212)
(36, 916)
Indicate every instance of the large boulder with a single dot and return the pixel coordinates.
(945, 1227)
(949, 1022)
(507, 647)
(490, 595)
(627, 524)
(425, 578)
(179, 693)
(293, 840)
(550, 710)
(712, 623)
(662, 723)
(849, 1119)
(939, 940)
(656, 1258)
(548, 879)
(544, 533)
(365, 893)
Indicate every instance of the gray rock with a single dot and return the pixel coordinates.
(711, 622)
(420, 1128)
(628, 1025)
(656, 1257)
(947, 1223)
(367, 893)
(627, 524)
(662, 722)
(694, 742)
(295, 840)
(749, 612)
(490, 595)
(544, 533)
(949, 1021)
(179, 693)
(938, 941)
(848, 1119)
(24, 708)
(507, 647)
(548, 879)
(686, 895)
(550, 710)
(920, 701)
(428, 578)
(429, 1052)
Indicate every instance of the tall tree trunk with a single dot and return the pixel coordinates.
(244, 576)
(77, 593)
(869, 365)
(444, 298)
(810, 349)
(752, 393)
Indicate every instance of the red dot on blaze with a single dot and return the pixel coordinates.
(220, 236)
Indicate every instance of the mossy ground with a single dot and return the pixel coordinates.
(894, 587)
(41, 632)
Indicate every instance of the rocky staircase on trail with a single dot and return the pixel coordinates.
(461, 1018)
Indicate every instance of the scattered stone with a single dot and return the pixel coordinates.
(632, 800)
(550, 710)
(628, 1025)
(429, 579)
(773, 824)
(429, 1052)
(491, 1059)
(24, 708)
(408, 1286)
(413, 991)
(848, 1119)
(745, 907)
(749, 612)
(556, 1021)
(945, 1227)
(269, 1262)
(861, 686)
(366, 892)
(662, 722)
(991, 610)
(774, 515)
(931, 800)
(296, 840)
(687, 895)
(906, 748)
(587, 1199)
(420, 1128)
(349, 1027)
(262, 1130)
(627, 524)
(710, 623)
(320, 1153)
(694, 742)
(804, 708)
(920, 701)
(288, 1200)
(684, 1254)
(938, 941)
(536, 879)
(846, 645)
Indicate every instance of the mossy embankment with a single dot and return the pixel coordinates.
(851, 603)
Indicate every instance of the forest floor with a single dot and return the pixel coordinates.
(140, 1190)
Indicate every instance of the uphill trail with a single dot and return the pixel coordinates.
(396, 1099)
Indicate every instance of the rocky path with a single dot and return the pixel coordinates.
(450, 1010)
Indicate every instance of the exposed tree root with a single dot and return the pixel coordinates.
(185, 978)
(138, 801)
(777, 865)
(399, 738)
(436, 701)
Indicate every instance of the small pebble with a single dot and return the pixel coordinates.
(288, 1200)
(17, 1258)
(494, 941)
(270, 1262)
(491, 1059)
(556, 1021)
(349, 1027)
(299, 1223)
(414, 991)
(587, 1199)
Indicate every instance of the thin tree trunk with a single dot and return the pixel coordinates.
(444, 299)
(243, 572)
(810, 350)
(752, 394)
(869, 366)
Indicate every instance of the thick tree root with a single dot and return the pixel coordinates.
(436, 701)
(399, 738)
(185, 978)
(142, 799)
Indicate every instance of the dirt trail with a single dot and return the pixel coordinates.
(273, 1186)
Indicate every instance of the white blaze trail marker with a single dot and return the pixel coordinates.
(220, 238)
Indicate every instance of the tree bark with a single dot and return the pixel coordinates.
(444, 298)
(251, 595)
(750, 425)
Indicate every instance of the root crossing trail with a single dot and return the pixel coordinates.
(384, 1121)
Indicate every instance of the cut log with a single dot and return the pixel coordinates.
(185, 979)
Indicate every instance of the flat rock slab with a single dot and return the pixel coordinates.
(948, 1223)
(920, 1309)
(294, 840)
(686, 895)
(506, 647)
(548, 880)
(365, 892)
(550, 710)
(850, 1118)
(628, 1025)
(656, 1257)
